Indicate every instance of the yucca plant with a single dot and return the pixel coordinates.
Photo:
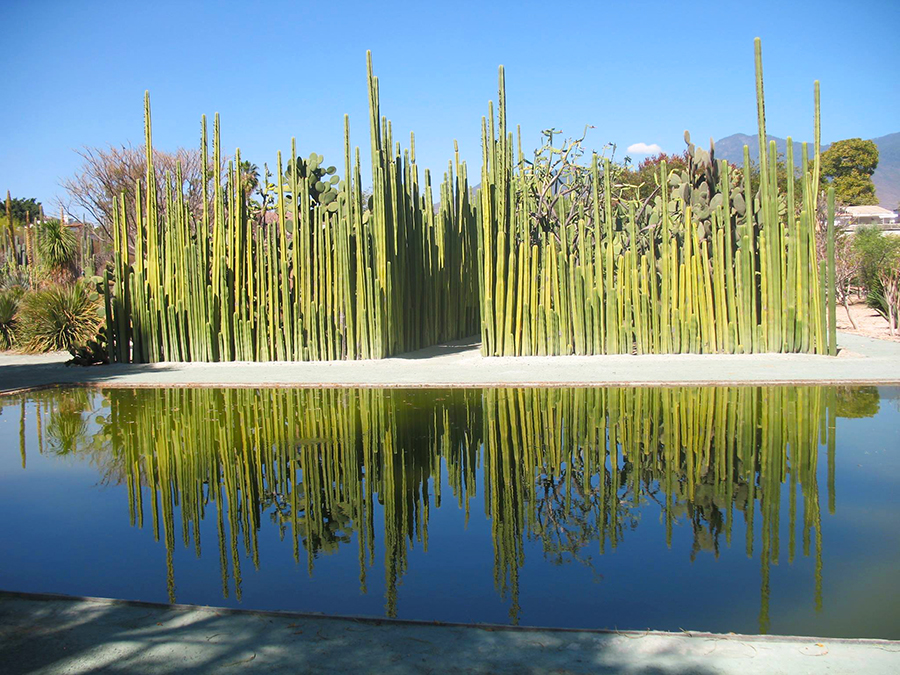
(57, 249)
(9, 306)
(58, 318)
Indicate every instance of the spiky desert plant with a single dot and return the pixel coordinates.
(9, 306)
(58, 318)
(57, 249)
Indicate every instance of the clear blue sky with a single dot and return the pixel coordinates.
(640, 72)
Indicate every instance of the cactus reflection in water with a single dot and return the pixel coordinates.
(571, 469)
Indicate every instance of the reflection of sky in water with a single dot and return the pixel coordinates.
(497, 546)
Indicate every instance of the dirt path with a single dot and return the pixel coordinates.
(868, 322)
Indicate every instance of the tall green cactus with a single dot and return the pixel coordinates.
(325, 274)
(704, 267)
(540, 264)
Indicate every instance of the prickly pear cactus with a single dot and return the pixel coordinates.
(700, 185)
(321, 182)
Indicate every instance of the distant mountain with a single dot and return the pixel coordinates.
(887, 175)
(886, 178)
(732, 147)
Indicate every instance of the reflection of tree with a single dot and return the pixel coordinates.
(857, 401)
(569, 468)
(568, 520)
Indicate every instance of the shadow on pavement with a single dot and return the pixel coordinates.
(55, 636)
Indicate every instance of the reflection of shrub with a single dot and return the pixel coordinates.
(67, 430)
(58, 318)
(9, 305)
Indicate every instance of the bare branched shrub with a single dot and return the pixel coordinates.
(106, 173)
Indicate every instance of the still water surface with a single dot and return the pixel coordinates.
(744, 509)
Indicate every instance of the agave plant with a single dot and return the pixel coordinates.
(58, 318)
(9, 305)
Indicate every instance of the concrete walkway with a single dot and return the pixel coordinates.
(861, 360)
(51, 634)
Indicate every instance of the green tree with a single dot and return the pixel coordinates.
(849, 165)
(880, 271)
(249, 177)
(23, 208)
(645, 178)
(871, 247)
(781, 176)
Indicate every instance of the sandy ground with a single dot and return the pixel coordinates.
(52, 634)
(868, 322)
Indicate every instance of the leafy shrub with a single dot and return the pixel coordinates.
(58, 318)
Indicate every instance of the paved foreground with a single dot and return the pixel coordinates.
(52, 634)
(861, 360)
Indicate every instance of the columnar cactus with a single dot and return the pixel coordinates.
(704, 266)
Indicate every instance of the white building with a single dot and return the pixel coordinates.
(852, 217)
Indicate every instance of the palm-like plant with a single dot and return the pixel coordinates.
(58, 318)
(57, 248)
(249, 176)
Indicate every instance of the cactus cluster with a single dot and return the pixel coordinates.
(333, 277)
(705, 268)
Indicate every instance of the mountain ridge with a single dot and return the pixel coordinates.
(886, 177)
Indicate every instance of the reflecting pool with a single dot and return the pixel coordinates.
(745, 509)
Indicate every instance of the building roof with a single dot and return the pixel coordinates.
(869, 211)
